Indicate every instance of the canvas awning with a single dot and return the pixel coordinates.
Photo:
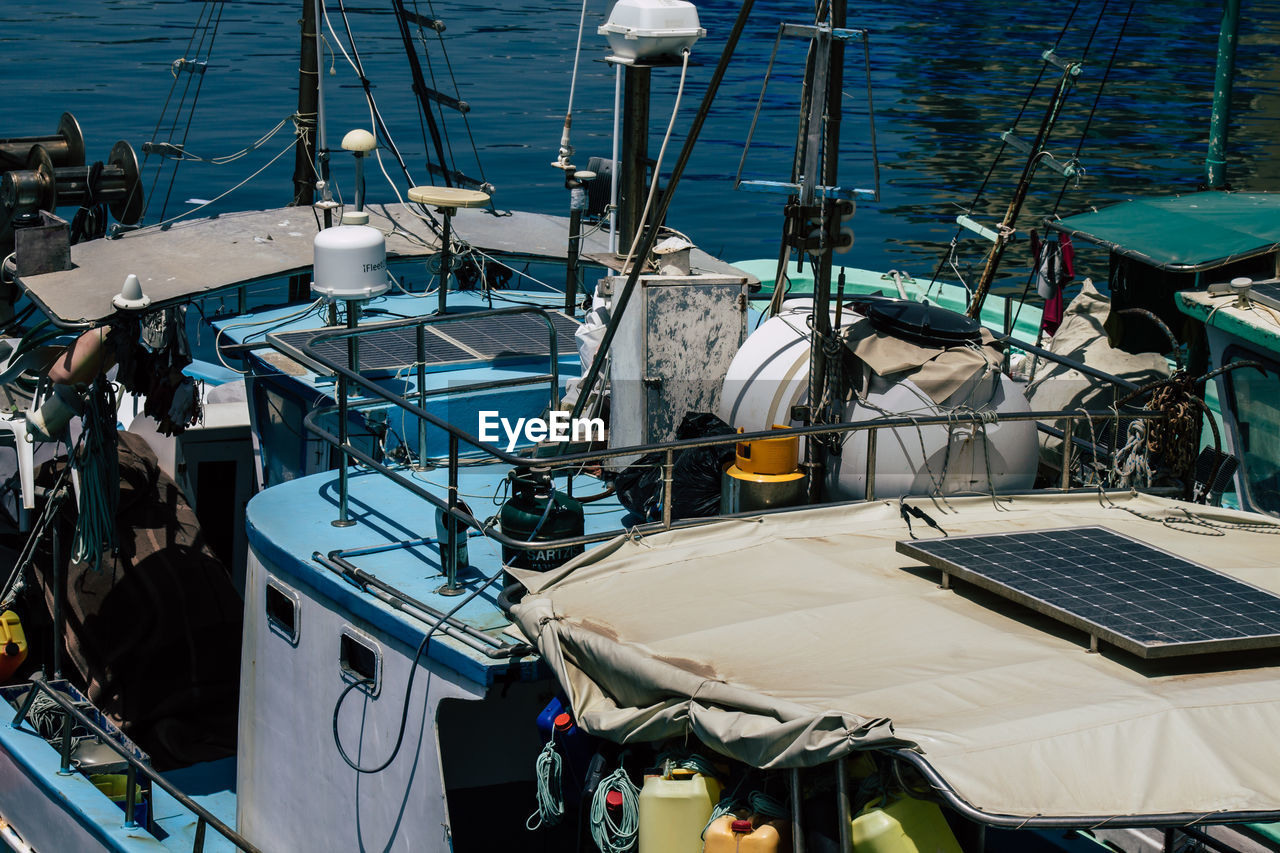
(793, 639)
(1186, 233)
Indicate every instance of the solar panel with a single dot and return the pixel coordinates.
(382, 351)
(478, 338)
(510, 334)
(1137, 597)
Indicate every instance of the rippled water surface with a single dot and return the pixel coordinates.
(947, 76)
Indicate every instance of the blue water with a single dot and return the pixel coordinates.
(947, 76)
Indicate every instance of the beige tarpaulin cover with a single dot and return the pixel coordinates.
(937, 371)
(793, 639)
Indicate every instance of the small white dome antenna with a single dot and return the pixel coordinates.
(359, 142)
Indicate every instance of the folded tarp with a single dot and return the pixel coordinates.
(792, 639)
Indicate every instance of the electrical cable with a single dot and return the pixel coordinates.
(276, 321)
(417, 657)
(657, 164)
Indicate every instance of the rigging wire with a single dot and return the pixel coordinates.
(208, 29)
(118, 229)
(475, 151)
(1093, 111)
(375, 115)
(1004, 145)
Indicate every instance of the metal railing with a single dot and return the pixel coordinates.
(547, 467)
(204, 818)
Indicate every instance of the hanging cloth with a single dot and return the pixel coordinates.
(1055, 267)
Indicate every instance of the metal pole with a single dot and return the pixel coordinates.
(633, 275)
(571, 265)
(353, 364)
(59, 594)
(421, 357)
(1215, 164)
(64, 768)
(451, 525)
(1005, 235)
(844, 811)
(130, 796)
(444, 258)
(797, 825)
(1068, 430)
(304, 182)
(871, 463)
(635, 151)
(615, 167)
(322, 148)
(668, 482)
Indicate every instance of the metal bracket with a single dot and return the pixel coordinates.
(785, 188)
(1070, 66)
(191, 66)
(1067, 169)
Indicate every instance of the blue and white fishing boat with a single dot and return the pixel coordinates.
(506, 579)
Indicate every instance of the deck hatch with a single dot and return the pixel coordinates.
(1122, 591)
(481, 338)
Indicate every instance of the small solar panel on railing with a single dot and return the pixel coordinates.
(511, 334)
(457, 341)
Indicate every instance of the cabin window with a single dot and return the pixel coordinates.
(282, 610)
(360, 660)
(1255, 404)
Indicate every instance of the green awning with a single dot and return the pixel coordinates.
(1185, 233)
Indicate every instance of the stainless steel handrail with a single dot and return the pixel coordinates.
(547, 466)
(204, 816)
(351, 373)
(952, 798)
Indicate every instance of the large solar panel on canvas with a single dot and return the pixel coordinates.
(1121, 591)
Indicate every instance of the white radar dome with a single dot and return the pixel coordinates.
(350, 262)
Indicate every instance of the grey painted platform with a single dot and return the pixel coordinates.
(198, 257)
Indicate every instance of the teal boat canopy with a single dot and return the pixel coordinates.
(1186, 233)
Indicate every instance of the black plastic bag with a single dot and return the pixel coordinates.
(695, 479)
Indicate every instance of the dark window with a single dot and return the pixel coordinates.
(282, 612)
(359, 661)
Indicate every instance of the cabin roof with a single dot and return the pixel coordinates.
(1186, 233)
(201, 256)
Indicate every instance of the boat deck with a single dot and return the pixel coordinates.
(289, 522)
(202, 256)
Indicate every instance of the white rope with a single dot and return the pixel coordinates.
(223, 195)
(183, 154)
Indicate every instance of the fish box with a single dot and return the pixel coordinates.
(43, 248)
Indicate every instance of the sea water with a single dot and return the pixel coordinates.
(946, 77)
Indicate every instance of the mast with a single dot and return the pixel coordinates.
(820, 166)
(1215, 164)
(304, 177)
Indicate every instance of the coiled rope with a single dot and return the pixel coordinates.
(550, 792)
(609, 835)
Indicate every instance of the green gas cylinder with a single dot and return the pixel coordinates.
(536, 512)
